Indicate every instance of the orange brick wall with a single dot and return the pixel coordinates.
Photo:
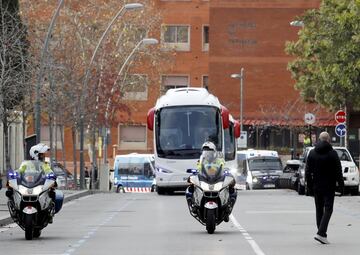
(252, 34)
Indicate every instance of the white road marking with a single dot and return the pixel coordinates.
(247, 237)
(281, 212)
(93, 231)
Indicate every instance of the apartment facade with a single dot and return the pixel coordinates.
(212, 40)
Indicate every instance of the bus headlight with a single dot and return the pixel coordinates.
(255, 180)
(163, 170)
(352, 169)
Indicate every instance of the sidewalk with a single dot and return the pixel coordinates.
(4, 213)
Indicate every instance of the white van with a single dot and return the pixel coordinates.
(259, 168)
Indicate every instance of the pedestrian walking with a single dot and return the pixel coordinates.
(323, 171)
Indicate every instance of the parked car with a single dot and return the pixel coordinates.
(289, 178)
(349, 169)
(63, 175)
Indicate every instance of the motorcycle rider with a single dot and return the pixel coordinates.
(37, 153)
(210, 156)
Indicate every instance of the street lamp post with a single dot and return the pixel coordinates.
(144, 41)
(241, 77)
(126, 7)
(41, 71)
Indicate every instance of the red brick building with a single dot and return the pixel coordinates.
(212, 40)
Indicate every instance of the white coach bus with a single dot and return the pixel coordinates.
(181, 121)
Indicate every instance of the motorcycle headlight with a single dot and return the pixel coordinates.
(23, 190)
(255, 180)
(37, 190)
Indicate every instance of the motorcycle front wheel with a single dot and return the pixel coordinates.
(210, 221)
(37, 233)
(28, 227)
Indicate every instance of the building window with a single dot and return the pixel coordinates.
(206, 38)
(136, 87)
(205, 81)
(132, 137)
(45, 135)
(174, 82)
(176, 37)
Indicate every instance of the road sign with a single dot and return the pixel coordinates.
(242, 140)
(340, 130)
(340, 116)
(309, 118)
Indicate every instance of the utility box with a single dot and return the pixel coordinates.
(104, 175)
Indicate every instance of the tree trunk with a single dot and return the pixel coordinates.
(94, 163)
(347, 122)
(24, 116)
(63, 151)
(51, 135)
(56, 140)
(73, 132)
(6, 142)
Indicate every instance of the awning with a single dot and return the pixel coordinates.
(297, 123)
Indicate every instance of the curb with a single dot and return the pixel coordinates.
(9, 220)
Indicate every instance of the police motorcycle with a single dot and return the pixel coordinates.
(211, 194)
(32, 200)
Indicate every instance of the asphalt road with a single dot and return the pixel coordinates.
(263, 222)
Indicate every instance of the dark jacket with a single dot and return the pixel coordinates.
(323, 169)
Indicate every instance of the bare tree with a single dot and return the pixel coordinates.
(14, 71)
(74, 38)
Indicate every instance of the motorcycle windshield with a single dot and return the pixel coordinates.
(211, 173)
(32, 177)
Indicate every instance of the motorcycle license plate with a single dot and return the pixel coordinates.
(269, 185)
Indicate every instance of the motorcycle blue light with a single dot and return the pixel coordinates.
(13, 175)
(51, 176)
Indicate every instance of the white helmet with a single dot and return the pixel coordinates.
(209, 153)
(208, 146)
(37, 149)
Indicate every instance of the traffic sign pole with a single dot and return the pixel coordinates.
(340, 129)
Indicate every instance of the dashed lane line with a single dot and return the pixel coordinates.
(247, 236)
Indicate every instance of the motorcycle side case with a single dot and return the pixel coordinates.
(59, 199)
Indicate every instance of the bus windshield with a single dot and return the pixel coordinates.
(182, 130)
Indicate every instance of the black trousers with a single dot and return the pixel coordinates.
(324, 207)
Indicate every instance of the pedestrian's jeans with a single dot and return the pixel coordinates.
(324, 207)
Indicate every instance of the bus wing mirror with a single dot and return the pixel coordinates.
(237, 129)
(150, 119)
(225, 117)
